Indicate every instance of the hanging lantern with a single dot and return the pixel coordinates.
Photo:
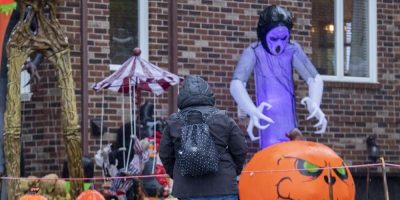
(90, 195)
(296, 170)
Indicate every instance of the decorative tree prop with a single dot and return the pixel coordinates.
(296, 170)
(38, 31)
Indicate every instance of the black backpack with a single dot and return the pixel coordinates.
(198, 153)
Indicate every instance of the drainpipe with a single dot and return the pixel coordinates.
(172, 54)
(84, 77)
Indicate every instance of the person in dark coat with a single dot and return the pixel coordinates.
(196, 94)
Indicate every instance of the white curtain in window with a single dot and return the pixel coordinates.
(359, 40)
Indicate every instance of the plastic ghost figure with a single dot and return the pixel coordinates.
(272, 59)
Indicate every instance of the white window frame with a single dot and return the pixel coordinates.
(26, 93)
(143, 34)
(339, 47)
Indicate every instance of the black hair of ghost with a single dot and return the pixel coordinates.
(271, 17)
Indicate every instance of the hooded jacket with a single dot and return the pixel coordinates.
(196, 94)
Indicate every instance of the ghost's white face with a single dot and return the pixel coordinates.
(277, 39)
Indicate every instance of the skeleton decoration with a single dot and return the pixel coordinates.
(272, 59)
(38, 31)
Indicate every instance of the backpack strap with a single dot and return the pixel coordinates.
(209, 115)
(206, 117)
(218, 112)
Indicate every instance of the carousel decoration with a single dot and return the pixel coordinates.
(135, 75)
(296, 170)
(38, 31)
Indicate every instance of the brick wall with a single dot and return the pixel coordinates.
(211, 36)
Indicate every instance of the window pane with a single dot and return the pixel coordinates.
(123, 29)
(355, 38)
(323, 36)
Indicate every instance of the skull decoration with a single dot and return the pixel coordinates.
(298, 170)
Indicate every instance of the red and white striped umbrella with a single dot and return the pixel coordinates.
(134, 75)
(140, 74)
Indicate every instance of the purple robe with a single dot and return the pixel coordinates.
(274, 85)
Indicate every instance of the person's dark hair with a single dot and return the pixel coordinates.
(88, 168)
(146, 112)
(270, 17)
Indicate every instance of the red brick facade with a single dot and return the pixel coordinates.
(211, 36)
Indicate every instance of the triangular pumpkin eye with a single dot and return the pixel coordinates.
(341, 172)
(308, 169)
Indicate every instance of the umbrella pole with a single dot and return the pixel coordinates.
(137, 103)
(133, 129)
(134, 110)
(102, 120)
(154, 134)
(123, 130)
(101, 130)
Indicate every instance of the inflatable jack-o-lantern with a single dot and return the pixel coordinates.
(299, 170)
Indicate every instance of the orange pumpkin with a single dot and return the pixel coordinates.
(33, 197)
(296, 170)
(90, 195)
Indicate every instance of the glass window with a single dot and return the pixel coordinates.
(128, 29)
(123, 29)
(323, 37)
(356, 38)
(344, 39)
(26, 93)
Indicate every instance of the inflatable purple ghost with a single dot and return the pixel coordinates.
(272, 60)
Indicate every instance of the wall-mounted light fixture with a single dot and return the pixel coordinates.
(373, 149)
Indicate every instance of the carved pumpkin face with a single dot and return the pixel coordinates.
(296, 170)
